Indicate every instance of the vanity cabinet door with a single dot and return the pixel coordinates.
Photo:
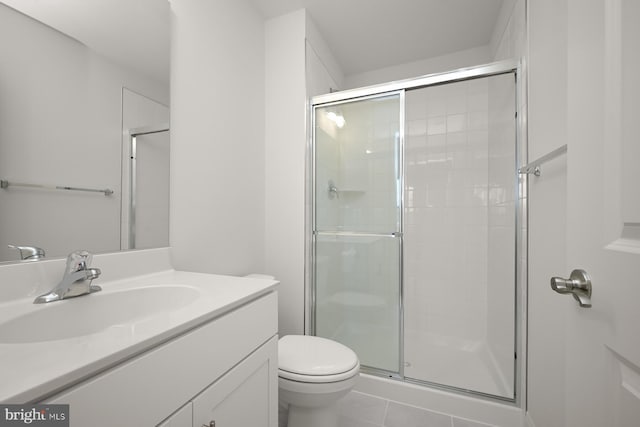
(182, 418)
(246, 396)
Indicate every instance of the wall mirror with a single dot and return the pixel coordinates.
(84, 113)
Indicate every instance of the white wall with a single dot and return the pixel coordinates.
(60, 124)
(438, 64)
(508, 42)
(291, 42)
(198, 157)
(319, 81)
(285, 144)
(217, 136)
(509, 34)
(323, 71)
(547, 64)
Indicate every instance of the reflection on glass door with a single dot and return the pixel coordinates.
(357, 227)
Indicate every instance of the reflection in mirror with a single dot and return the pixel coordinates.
(65, 116)
(145, 212)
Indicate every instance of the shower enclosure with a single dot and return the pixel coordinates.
(414, 228)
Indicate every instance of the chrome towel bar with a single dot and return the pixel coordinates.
(534, 167)
(6, 184)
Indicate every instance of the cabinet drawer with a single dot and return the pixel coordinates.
(147, 389)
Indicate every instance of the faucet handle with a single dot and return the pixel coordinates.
(78, 260)
(29, 252)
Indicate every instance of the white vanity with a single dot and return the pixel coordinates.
(155, 347)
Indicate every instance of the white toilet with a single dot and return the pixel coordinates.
(313, 374)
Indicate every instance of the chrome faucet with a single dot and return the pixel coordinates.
(31, 253)
(76, 280)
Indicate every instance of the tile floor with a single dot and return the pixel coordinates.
(363, 410)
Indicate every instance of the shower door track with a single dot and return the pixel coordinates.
(488, 70)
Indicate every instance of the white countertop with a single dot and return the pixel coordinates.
(33, 370)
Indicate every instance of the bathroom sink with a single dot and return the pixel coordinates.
(94, 313)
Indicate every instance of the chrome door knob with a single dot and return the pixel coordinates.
(578, 285)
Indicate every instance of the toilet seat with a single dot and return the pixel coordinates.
(311, 359)
(319, 378)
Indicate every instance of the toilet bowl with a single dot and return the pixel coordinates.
(313, 374)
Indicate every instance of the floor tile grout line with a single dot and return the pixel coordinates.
(397, 402)
(387, 403)
(386, 409)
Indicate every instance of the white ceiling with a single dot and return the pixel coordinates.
(131, 32)
(364, 35)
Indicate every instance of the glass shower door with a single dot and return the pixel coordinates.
(357, 227)
(461, 198)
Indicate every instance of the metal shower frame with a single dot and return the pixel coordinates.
(399, 87)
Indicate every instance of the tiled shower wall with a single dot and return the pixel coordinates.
(459, 252)
(446, 202)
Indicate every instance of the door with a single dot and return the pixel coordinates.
(603, 213)
(459, 252)
(357, 226)
(245, 396)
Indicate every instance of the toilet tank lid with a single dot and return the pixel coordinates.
(310, 355)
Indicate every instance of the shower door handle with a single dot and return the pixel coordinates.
(578, 284)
